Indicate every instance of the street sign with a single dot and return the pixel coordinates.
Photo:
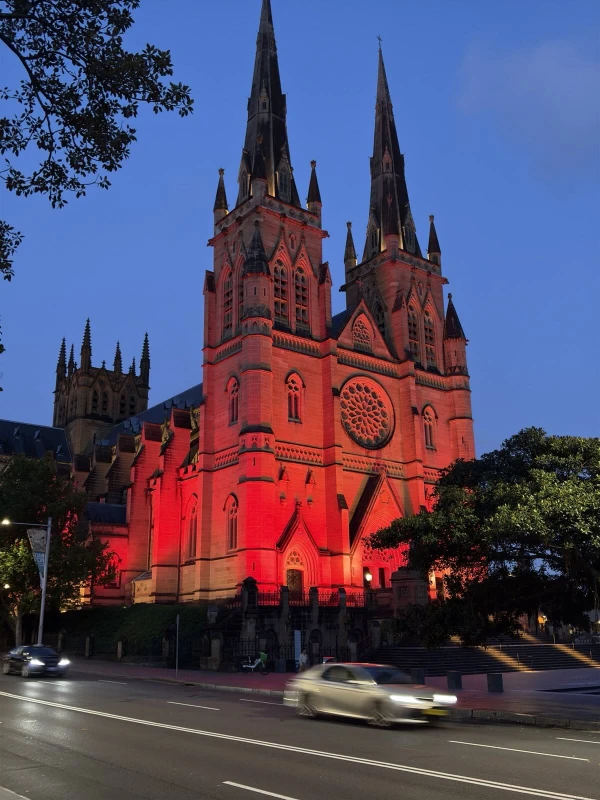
(37, 540)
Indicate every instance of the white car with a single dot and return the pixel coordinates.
(381, 694)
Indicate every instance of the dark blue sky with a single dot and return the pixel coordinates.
(497, 111)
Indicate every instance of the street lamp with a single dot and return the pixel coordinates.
(48, 529)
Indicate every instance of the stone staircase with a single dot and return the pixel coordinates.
(495, 658)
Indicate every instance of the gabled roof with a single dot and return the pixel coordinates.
(108, 513)
(156, 414)
(338, 322)
(33, 441)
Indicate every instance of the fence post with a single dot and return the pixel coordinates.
(313, 594)
(119, 650)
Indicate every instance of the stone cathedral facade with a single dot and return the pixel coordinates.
(308, 431)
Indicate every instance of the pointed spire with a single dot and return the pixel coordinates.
(256, 262)
(314, 195)
(145, 362)
(389, 207)
(86, 348)
(61, 366)
(118, 362)
(266, 133)
(350, 259)
(220, 208)
(132, 367)
(434, 252)
(72, 364)
(452, 327)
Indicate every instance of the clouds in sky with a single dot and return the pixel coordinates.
(545, 98)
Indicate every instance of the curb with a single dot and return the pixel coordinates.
(458, 714)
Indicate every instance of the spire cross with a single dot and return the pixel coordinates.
(379, 39)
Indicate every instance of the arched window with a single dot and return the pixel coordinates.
(413, 334)
(361, 335)
(379, 318)
(240, 297)
(243, 184)
(233, 391)
(294, 397)
(429, 340)
(231, 515)
(132, 405)
(292, 242)
(301, 295)
(105, 402)
(429, 428)
(284, 184)
(409, 238)
(192, 532)
(228, 304)
(122, 405)
(374, 240)
(94, 401)
(280, 280)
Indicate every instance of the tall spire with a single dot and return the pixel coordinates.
(72, 364)
(86, 348)
(61, 366)
(389, 212)
(350, 259)
(452, 327)
(434, 253)
(220, 208)
(132, 367)
(145, 362)
(266, 132)
(118, 362)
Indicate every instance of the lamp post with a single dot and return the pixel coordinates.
(48, 530)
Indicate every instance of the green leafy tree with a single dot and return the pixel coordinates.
(31, 490)
(73, 109)
(514, 531)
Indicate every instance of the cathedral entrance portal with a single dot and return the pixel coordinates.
(295, 583)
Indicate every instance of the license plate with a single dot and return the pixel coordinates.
(52, 669)
(435, 712)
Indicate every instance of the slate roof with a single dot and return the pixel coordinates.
(34, 441)
(339, 320)
(106, 512)
(156, 414)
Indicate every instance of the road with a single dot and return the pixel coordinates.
(90, 739)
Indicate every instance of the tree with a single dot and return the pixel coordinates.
(512, 532)
(80, 91)
(31, 490)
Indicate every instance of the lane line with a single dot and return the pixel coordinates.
(121, 683)
(258, 791)
(191, 705)
(261, 702)
(421, 771)
(4, 790)
(515, 750)
(585, 741)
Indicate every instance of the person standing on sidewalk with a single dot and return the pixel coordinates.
(303, 661)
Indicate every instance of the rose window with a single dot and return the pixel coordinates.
(367, 413)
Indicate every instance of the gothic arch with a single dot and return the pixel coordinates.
(231, 512)
(232, 389)
(297, 549)
(190, 529)
(362, 333)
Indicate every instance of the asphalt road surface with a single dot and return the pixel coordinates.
(88, 739)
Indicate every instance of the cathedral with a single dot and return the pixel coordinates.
(309, 431)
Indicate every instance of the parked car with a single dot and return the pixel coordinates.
(381, 694)
(33, 660)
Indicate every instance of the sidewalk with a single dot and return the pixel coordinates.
(526, 700)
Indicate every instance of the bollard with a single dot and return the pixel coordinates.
(119, 650)
(417, 675)
(454, 679)
(88, 647)
(495, 682)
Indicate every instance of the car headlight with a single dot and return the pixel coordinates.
(444, 698)
(35, 662)
(405, 698)
(64, 662)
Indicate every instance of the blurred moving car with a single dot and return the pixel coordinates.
(33, 660)
(381, 694)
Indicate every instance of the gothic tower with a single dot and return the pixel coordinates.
(89, 400)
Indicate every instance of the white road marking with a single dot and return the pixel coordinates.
(426, 773)
(4, 792)
(121, 683)
(191, 705)
(258, 791)
(262, 702)
(515, 750)
(585, 741)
